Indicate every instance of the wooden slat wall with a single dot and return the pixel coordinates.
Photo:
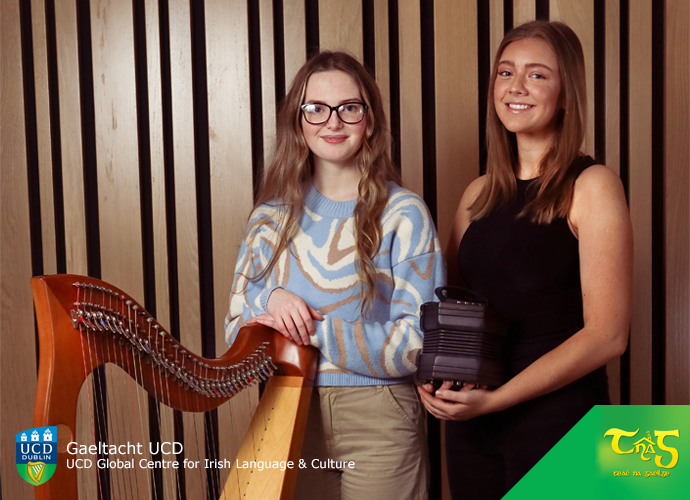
(119, 210)
(340, 26)
(16, 318)
(612, 146)
(410, 57)
(677, 204)
(45, 161)
(84, 152)
(640, 196)
(71, 142)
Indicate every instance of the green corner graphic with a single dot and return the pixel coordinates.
(616, 452)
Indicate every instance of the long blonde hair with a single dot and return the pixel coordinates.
(291, 165)
(557, 169)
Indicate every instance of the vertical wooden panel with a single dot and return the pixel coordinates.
(112, 45)
(153, 70)
(340, 27)
(457, 111)
(70, 135)
(613, 137)
(496, 16)
(231, 173)
(116, 133)
(382, 54)
(69, 90)
(186, 218)
(523, 11)
(677, 202)
(613, 80)
(18, 368)
(45, 161)
(268, 77)
(411, 157)
(640, 196)
(294, 25)
(580, 17)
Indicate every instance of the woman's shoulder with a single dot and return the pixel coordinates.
(595, 179)
(598, 191)
(404, 203)
(472, 191)
(265, 217)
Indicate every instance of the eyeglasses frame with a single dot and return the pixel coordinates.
(331, 109)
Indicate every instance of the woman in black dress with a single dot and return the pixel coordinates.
(545, 236)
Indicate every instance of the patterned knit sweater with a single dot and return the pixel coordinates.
(320, 268)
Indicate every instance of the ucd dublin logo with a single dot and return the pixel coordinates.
(37, 454)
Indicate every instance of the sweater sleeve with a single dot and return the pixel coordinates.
(248, 297)
(388, 348)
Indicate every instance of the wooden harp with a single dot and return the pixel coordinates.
(84, 323)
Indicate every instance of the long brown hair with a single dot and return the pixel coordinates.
(291, 165)
(557, 168)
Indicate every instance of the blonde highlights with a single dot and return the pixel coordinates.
(291, 166)
(558, 169)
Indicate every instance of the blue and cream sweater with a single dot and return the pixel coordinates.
(320, 268)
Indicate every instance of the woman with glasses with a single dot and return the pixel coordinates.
(337, 255)
(545, 236)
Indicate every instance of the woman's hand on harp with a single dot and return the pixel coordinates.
(290, 315)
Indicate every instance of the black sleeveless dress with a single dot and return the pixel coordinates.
(532, 272)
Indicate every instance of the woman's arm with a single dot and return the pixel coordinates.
(599, 217)
(249, 297)
(384, 347)
(460, 225)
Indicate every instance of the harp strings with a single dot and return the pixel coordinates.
(135, 339)
(81, 328)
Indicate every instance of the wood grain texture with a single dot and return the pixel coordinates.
(457, 111)
(640, 198)
(112, 37)
(285, 404)
(580, 17)
(613, 81)
(496, 16)
(295, 42)
(71, 148)
(231, 170)
(43, 133)
(523, 11)
(677, 202)
(18, 351)
(160, 253)
(187, 237)
(70, 136)
(340, 27)
(112, 46)
(613, 136)
(268, 78)
(411, 138)
(382, 54)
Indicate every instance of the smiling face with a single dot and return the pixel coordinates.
(527, 88)
(333, 143)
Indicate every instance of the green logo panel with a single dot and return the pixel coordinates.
(616, 452)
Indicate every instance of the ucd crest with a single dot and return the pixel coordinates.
(37, 454)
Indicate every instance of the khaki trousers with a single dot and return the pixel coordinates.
(375, 438)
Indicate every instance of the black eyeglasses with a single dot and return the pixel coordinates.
(317, 113)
